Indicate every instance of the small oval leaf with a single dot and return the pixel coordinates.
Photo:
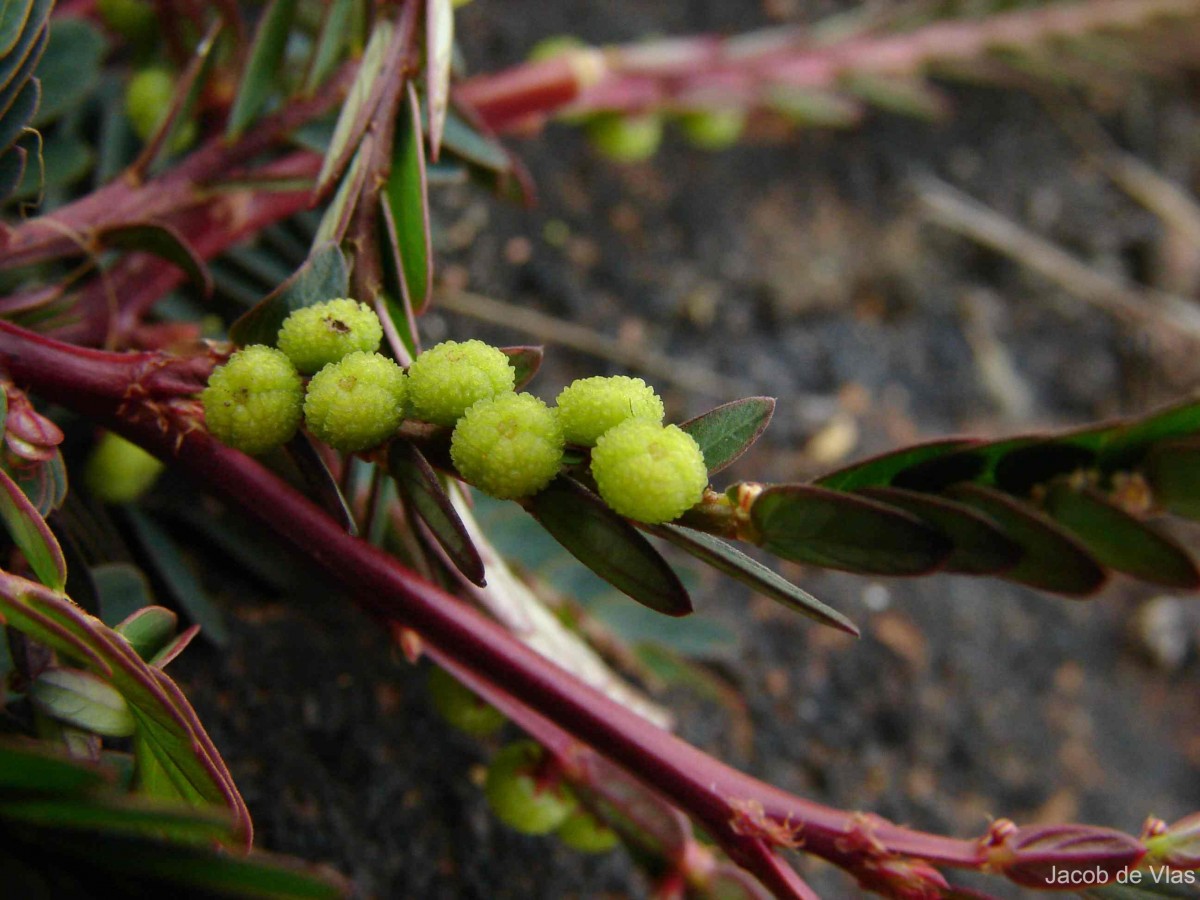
(609, 546)
(264, 69)
(834, 530)
(728, 431)
(1052, 560)
(149, 630)
(83, 700)
(31, 534)
(422, 490)
(750, 572)
(525, 362)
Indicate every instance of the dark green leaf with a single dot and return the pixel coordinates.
(19, 114)
(733, 562)
(121, 815)
(1019, 470)
(609, 546)
(421, 488)
(64, 160)
(177, 575)
(82, 700)
(728, 431)
(123, 591)
(980, 546)
(28, 767)
(465, 142)
(45, 484)
(31, 534)
(407, 196)
(1052, 560)
(27, 39)
(319, 481)
(439, 52)
(1173, 472)
(323, 276)
(164, 242)
(1131, 442)
(842, 531)
(14, 17)
(1118, 540)
(360, 104)
(878, 471)
(335, 31)
(525, 362)
(17, 70)
(149, 630)
(264, 69)
(12, 170)
(70, 67)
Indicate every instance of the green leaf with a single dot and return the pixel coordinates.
(980, 546)
(12, 170)
(878, 471)
(17, 69)
(359, 107)
(25, 104)
(750, 572)
(904, 95)
(27, 768)
(1051, 560)
(323, 276)
(728, 431)
(465, 142)
(14, 16)
(318, 481)
(178, 577)
(121, 815)
(422, 490)
(123, 591)
(1173, 473)
(149, 630)
(25, 33)
(397, 313)
(842, 531)
(609, 546)
(408, 198)
(83, 700)
(165, 242)
(525, 362)
(1119, 540)
(439, 53)
(335, 33)
(31, 534)
(64, 161)
(45, 483)
(1130, 443)
(70, 67)
(264, 69)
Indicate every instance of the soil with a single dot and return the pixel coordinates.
(803, 268)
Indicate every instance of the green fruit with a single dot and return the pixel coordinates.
(626, 138)
(508, 446)
(713, 129)
(445, 380)
(591, 406)
(554, 46)
(317, 335)
(134, 20)
(119, 471)
(516, 797)
(647, 472)
(461, 707)
(253, 402)
(148, 98)
(584, 832)
(355, 403)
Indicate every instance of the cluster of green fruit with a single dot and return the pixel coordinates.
(516, 788)
(508, 444)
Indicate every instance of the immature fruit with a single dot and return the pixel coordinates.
(584, 832)
(119, 471)
(588, 407)
(647, 472)
(253, 402)
(508, 446)
(355, 403)
(148, 99)
(513, 792)
(461, 707)
(315, 336)
(445, 380)
(713, 129)
(626, 138)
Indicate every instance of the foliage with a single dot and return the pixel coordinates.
(348, 106)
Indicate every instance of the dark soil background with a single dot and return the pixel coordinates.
(801, 267)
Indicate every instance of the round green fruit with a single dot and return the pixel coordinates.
(446, 380)
(317, 335)
(626, 138)
(584, 832)
(508, 446)
(119, 471)
(713, 129)
(254, 402)
(148, 98)
(588, 407)
(515, 795)
(647, 472)
(461, 707)
(356, 402)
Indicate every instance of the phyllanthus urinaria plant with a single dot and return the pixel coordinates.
(323, 422)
